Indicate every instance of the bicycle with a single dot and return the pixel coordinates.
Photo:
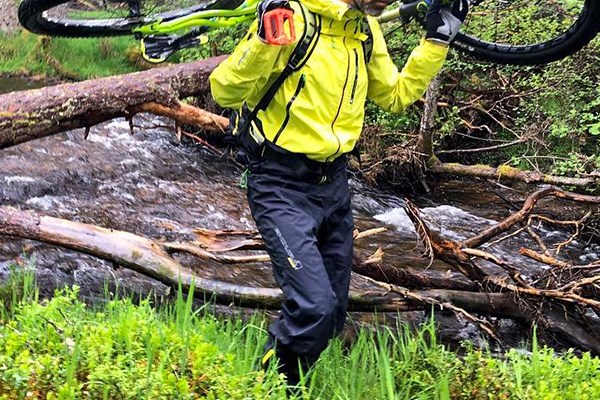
(517, 32)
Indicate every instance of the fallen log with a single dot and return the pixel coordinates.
(215, 242)
(153, 258)
(506, 173)
(143, 255)
(33, 114)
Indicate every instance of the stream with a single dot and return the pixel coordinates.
(150, 184)
(13, 84)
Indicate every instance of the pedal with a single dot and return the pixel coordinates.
(279, 26)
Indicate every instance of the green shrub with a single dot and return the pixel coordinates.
(64, 349)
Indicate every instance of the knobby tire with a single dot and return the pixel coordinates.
(581, 32)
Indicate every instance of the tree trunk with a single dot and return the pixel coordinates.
(153, 259)
(8, 16)
(42, 112)
(426, 130)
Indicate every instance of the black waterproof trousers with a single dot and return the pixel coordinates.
(302, 210)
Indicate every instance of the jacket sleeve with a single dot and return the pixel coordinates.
(245, 70)
(395, 90)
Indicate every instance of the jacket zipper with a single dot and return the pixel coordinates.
(355, 76)
(337, 114)
(301, 83)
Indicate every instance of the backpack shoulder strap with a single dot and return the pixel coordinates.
(368, 43)
(299, 56)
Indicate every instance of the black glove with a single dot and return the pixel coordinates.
(264, 7)
(442, 22)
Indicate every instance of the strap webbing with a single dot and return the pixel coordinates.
(299, 56)
(368, 43)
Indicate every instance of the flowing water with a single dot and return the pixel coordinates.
(13, 84)
(150, 184)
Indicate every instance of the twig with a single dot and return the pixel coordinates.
(537, 237)
(571, 286)
(544, 258)
(369, 232)
(482, 149)
(198, 252)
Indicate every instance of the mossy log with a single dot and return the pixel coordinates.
(36, 113)
(507, 173)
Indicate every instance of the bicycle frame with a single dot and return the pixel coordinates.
(220, 18)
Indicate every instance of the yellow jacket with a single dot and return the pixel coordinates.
(319, 110)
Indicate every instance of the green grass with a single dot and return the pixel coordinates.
(78, 58)
(64, 349)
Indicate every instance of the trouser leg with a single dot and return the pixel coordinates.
(336, 248)
(289, 216)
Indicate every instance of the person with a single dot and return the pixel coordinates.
(296, 149)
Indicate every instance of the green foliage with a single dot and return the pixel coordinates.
(560, 110)
(401, 39)
(555, 108)
(410, 364)
(18, 288)
(219, 41)
(541, 374)
(80, 58)
(64, 349)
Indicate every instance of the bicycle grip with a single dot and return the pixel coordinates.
(279, 26)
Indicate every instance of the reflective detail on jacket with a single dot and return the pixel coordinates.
(319, 110)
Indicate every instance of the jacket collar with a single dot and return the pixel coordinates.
(335, 9)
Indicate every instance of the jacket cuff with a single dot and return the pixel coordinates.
(435, 47)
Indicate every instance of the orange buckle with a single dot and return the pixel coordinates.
(279, 26)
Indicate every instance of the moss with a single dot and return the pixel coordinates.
(508, 171)
(136, 254)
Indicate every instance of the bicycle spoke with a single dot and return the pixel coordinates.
(94, 12)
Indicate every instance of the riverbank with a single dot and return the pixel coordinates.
(66, 59)
(63, 349)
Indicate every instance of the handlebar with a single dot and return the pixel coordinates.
(405, 11)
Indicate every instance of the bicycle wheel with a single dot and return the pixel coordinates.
(526, 32)
(93, 18)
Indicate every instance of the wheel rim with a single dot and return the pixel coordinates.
(117, 15)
